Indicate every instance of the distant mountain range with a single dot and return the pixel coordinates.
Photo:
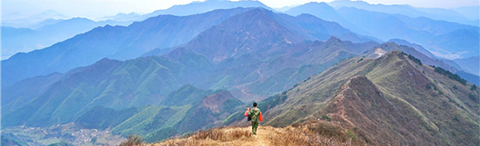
(461, 15)
(51, 27)
(159, 32)
(469, 12)
(15, 40)
(115, 42)
(192, 8)
(469, 64)
(323, 11)
(206, 6)
(20, 20)
(445, 39)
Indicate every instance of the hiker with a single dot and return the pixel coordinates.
(256, 115)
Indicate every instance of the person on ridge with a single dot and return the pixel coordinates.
(256, 117)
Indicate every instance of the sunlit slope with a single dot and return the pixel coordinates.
(391, 99)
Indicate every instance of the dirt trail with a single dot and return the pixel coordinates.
(261, 139)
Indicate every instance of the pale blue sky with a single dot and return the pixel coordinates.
(98, 8)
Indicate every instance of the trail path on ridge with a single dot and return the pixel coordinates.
(264, 137)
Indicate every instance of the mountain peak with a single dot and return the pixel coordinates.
(333, 38)
(333, 41)
(214, 102)
(252, 31)
(359, 103)
(356, 84)
(359, 80)
(318, 4)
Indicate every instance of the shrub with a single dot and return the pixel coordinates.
(428, 86)
(272, 101)
(456, 118)
(473, 97)
(186, 134)
(361, 59)
(474, 87)
(350, 133)
(324, 116)
(416, 60)
(450, 75)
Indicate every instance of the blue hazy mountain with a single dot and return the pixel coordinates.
(471, 12)
(470, 65)
(16, 40)
(45, 22)
(20, 20)
(443, 38)
(196, 7)
(297, 29)
(130, 17)
(407, 10)
(39, 41)
(417, 47)
(440, 37)
(325, 12)
(205, 6)
(117, 42)
(462, 42)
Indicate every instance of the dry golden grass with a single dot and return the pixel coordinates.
(305, 135)
(217, 136)
(314, 133)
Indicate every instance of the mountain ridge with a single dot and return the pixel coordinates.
(450, 39)
(323, 95)
(407, 10)
(114, 42)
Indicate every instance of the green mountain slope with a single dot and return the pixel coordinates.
(109, 83)
(390, 100)
(151, 120)
(156, 123)
(187, 94)
(100, 117)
